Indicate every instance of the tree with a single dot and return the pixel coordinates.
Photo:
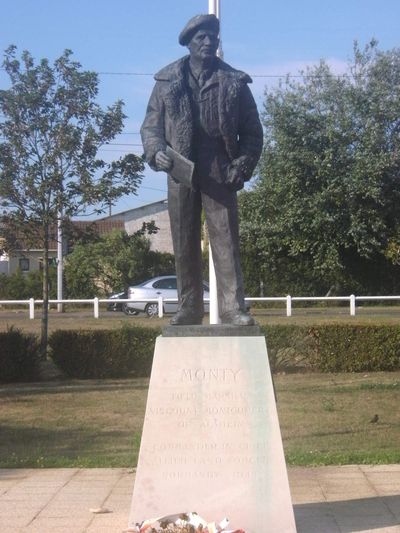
(113, 262)
(326, 206)
(51, 130)
(22, 286)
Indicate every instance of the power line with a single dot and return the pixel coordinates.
(121, 144)
(153, 189)
(125, 73)
(276, 76)
(120, 151)
(115, 144)
(108, 144)
(271, 76)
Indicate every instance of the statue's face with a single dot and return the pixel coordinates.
(204, 44)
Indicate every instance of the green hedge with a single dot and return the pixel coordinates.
(104, 353)
(330, 348)
(289, 347)
(19, 356)
(129, 350)
(355, 348)
(334, 348)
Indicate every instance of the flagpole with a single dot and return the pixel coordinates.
(214, 8)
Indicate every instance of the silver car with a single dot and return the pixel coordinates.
(164, 286)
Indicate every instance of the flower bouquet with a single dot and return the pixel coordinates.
(183, 523)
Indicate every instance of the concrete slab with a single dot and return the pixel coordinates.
(67, 511)
(317, 525)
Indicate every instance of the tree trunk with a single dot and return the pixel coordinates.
(45, 313)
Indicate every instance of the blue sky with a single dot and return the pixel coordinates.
(122, 38)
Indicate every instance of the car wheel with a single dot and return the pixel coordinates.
(151, 310)
(129, 310)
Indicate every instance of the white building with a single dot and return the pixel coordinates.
(158, 212)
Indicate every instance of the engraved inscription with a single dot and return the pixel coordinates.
(204, 460)
(190, 475)
(181, 446)
(207, 411)
(173, 411)
(205, 401)
(216, 396)
(209, 375)
(207, 447)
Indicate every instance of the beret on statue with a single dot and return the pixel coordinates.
(209, 22)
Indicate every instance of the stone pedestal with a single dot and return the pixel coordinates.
(211, 440)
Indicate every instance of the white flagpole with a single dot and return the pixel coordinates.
(214, 9)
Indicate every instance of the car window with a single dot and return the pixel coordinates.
(167, 283)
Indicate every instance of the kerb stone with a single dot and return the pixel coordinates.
(211, 440)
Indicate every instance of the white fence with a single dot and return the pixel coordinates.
(288, 300)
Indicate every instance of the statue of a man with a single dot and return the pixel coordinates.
(203, 108)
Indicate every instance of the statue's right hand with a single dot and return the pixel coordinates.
(163, 161)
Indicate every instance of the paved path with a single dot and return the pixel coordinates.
(326, 500)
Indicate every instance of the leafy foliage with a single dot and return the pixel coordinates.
(113, 262)
(51, 133)
(104, 353)
(19, 286)
(333, 348)
(19, 356)
(355, 348)
(291, 348)
(326, 206)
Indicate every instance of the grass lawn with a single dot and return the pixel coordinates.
(74, 423)
(325, 419)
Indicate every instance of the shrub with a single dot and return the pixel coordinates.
(104, 353)
(331, 348)
(349, 348)
(334, 348)
(288, 347)
(22, 286)
(19, 356)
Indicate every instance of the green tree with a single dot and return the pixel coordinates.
(326, 205)
(51, 129)
(22, 286)
(114, 262)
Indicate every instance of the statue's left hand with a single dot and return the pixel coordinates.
(163, 161)
(235, 180)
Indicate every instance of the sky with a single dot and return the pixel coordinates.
(126, 41)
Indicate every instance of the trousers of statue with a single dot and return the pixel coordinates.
(221, 213)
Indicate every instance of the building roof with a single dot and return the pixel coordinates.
(138, 212)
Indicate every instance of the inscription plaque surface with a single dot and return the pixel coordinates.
(211, 440)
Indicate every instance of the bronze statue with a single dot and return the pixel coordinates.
(203, 109)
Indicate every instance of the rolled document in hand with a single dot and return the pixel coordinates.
(182, 168)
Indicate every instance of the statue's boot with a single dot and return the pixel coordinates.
(185, 318)
(237, 318)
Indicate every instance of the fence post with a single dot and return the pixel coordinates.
(352, 305)
(160, 307)
(31, 308)
(96, 307)
(288, 305)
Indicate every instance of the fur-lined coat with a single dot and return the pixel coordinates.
(169, 119)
